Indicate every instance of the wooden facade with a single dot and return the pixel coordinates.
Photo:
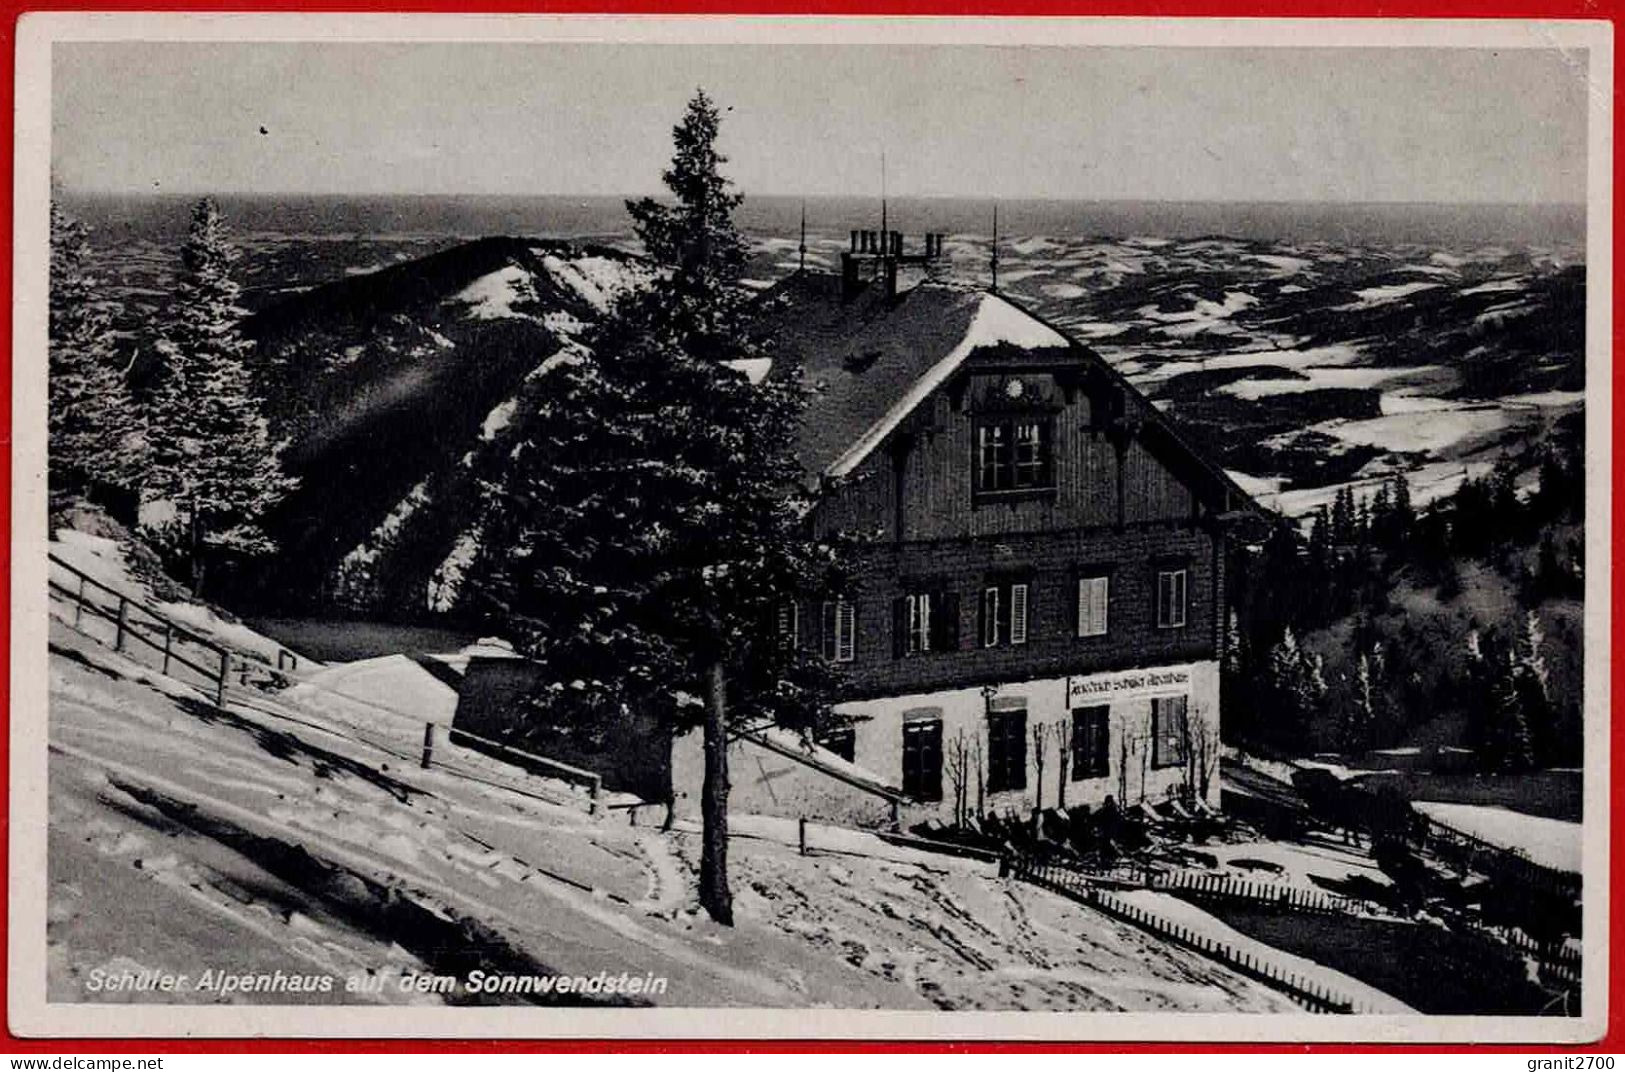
(1114, 505)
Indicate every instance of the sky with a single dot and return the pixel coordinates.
(1222, 124)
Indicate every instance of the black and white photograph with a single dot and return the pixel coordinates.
(562, 526)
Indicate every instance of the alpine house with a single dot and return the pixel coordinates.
(1039, 601)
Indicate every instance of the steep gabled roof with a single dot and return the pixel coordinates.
(871, 360)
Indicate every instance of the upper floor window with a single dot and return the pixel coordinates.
(789, 624)
(1013, 454)
(1093, 601)
(1004, 614)
(925, 621)
(1171, 598)
(840, 631)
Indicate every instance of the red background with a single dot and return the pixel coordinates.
(1600, 10)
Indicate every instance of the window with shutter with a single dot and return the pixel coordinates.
(1092, 604)
(1091, 754)
(790, 624)
(919, 622)
(1004, 614)
(922, 759)
(1170, 599)
(924, 622)
(1168, 731)
(837, 625)
(1006, 750)
(846, 621)
(945, 622)
(1018, 614)
(842, 740)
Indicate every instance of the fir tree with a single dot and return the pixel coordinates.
(210, 454)
(695, 237)
(1382, 517)
(647, 529)
(93, 424)
(1404, 514)
(1342, 522)
(1509, 747)
(1533, 683)
(1296, 681)
(1361, 715)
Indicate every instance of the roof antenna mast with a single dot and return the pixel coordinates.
(994, 259)
(802, 249)
(885, 235)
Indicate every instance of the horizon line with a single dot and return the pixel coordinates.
(990, 199)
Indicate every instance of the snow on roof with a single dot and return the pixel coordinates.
(819, 755)
(755, 369)
(489, 648)
(995, 322)
(389, 685)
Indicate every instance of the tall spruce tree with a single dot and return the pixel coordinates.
(93, 423)
(648, 528)
(210, 454)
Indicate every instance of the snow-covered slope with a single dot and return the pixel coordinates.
(392, 388)
(1549, 842)
(275, 836)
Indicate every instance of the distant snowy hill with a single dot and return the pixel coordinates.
(1304, 366)
(390, 386)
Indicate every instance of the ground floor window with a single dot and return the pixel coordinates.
(842, 740)
(1090, 734)
(1006, 750)
(922, 759)
(1168, 731)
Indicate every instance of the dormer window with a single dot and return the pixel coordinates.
(1014, 454)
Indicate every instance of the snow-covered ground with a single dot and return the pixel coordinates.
(1548, 842)
(260, 837)
(1366, 999)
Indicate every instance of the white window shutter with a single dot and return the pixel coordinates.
(990, 617)
(1018, 614)
(845, 622)
(1092, 604)
(925, 621)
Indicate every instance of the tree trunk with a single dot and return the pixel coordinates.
(715, 896)
(194, 553)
